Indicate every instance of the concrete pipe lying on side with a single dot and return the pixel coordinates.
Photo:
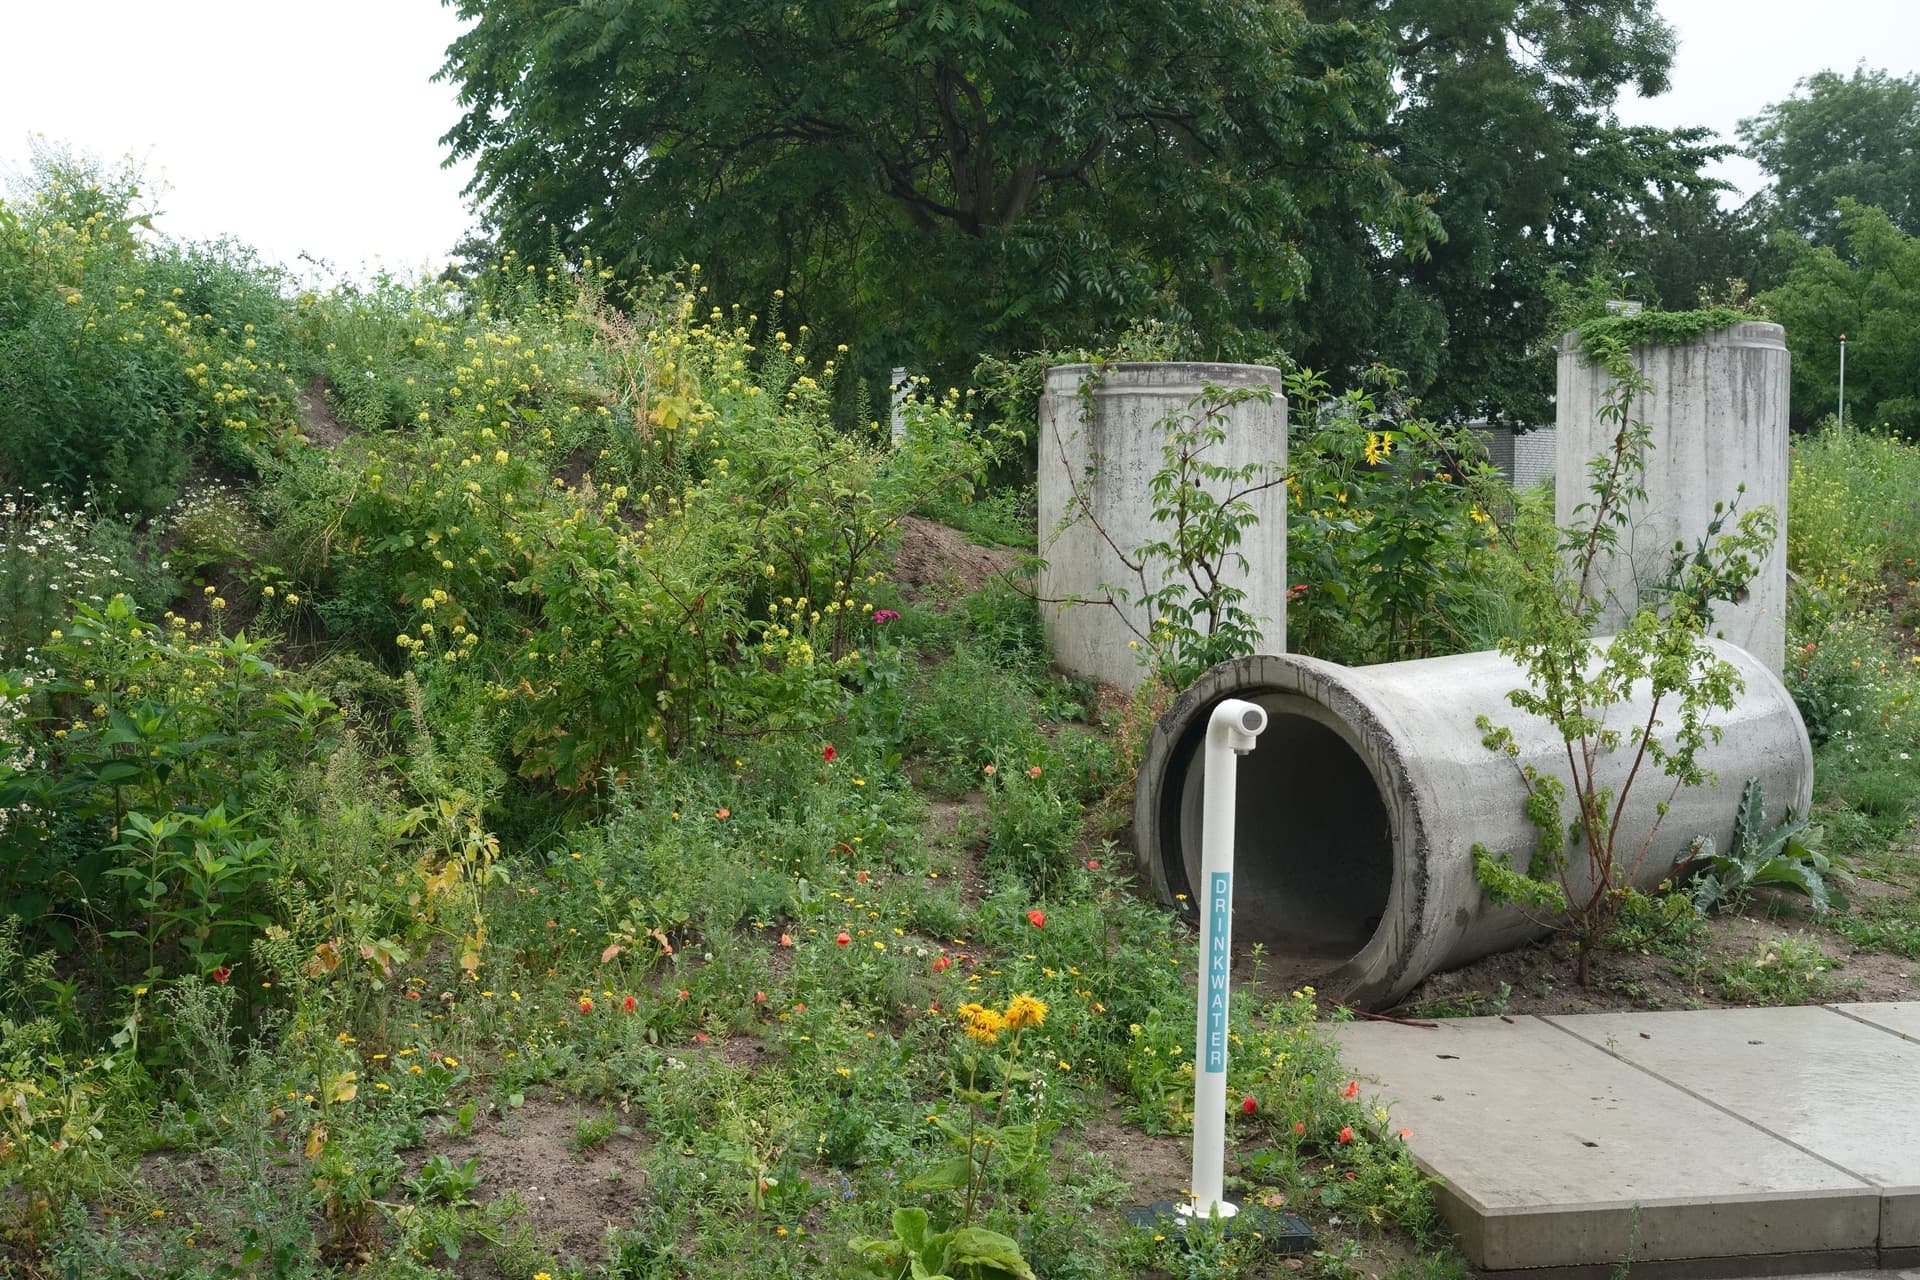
(1358, 815)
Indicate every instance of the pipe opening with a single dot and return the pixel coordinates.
(1313, 845)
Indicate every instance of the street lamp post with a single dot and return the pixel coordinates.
(1841, 415)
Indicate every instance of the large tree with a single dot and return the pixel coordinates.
(932, 178)
(1869, 290)
(1507, 118)
(1840, 136)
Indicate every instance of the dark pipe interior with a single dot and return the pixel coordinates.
(1313, 849)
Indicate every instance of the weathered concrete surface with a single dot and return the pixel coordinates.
(1359, 809)
(1834, 1086)
(1098, 457)
(1900, 1017)
(1718, 418)
(1720, 1142)
(1553, 1153)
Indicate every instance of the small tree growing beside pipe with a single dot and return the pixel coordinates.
(1579, 873)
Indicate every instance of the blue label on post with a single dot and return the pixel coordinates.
(1219, 966)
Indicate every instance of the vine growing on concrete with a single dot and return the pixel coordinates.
(1184, 579)
(1580, 871)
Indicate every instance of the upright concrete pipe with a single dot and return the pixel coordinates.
(1103, 435)
(1358, 815)
(1717, 420)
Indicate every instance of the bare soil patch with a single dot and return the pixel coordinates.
(571, 1198)
(318, 424)
(935, 559)
(1156, 1166)
(1541, 979)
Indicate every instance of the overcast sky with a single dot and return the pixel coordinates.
(314, 127)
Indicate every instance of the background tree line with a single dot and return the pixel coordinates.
(1351, 182)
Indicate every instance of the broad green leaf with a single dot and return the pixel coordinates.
(979, 1247)
(948, 1175)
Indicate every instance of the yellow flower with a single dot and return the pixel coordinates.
(981, 1023)
(1025, 1011)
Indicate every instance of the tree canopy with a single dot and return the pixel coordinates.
(1840, 136)
(1507, 118)
(934, 179)
(1870, 291)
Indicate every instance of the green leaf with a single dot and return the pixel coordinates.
(979, 1247)
(948, 1175)
(910, 1225)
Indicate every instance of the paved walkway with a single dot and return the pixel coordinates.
(1709, 1143)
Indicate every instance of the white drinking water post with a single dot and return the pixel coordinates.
(1231, 729)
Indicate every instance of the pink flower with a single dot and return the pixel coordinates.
(884, 616)
(1093, 864)
(988, 771)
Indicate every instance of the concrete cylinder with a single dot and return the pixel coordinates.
(1359, 809)
(1718, 417)
(1098, 456)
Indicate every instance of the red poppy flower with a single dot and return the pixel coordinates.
(1299, 1128)
(413, 995)
(829, 754)
(862, 877)
(1346, 1134)
(1093, 864)
(759, 997)
(722, 814)
(1248, 1106)
(1034, 772)
(944, 963)
(683, 994)
(1352, 1089)
(786, 939)
(221, 974)
(630, 1004)
(843, 940)
(1037, 918)
(699, 1037)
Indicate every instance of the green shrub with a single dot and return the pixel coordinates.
(1389, 533)
(118, 360)
(133, 808)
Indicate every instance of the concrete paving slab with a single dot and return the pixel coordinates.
(1554, 1153)
(1838, 1087)
(1901, 1017)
